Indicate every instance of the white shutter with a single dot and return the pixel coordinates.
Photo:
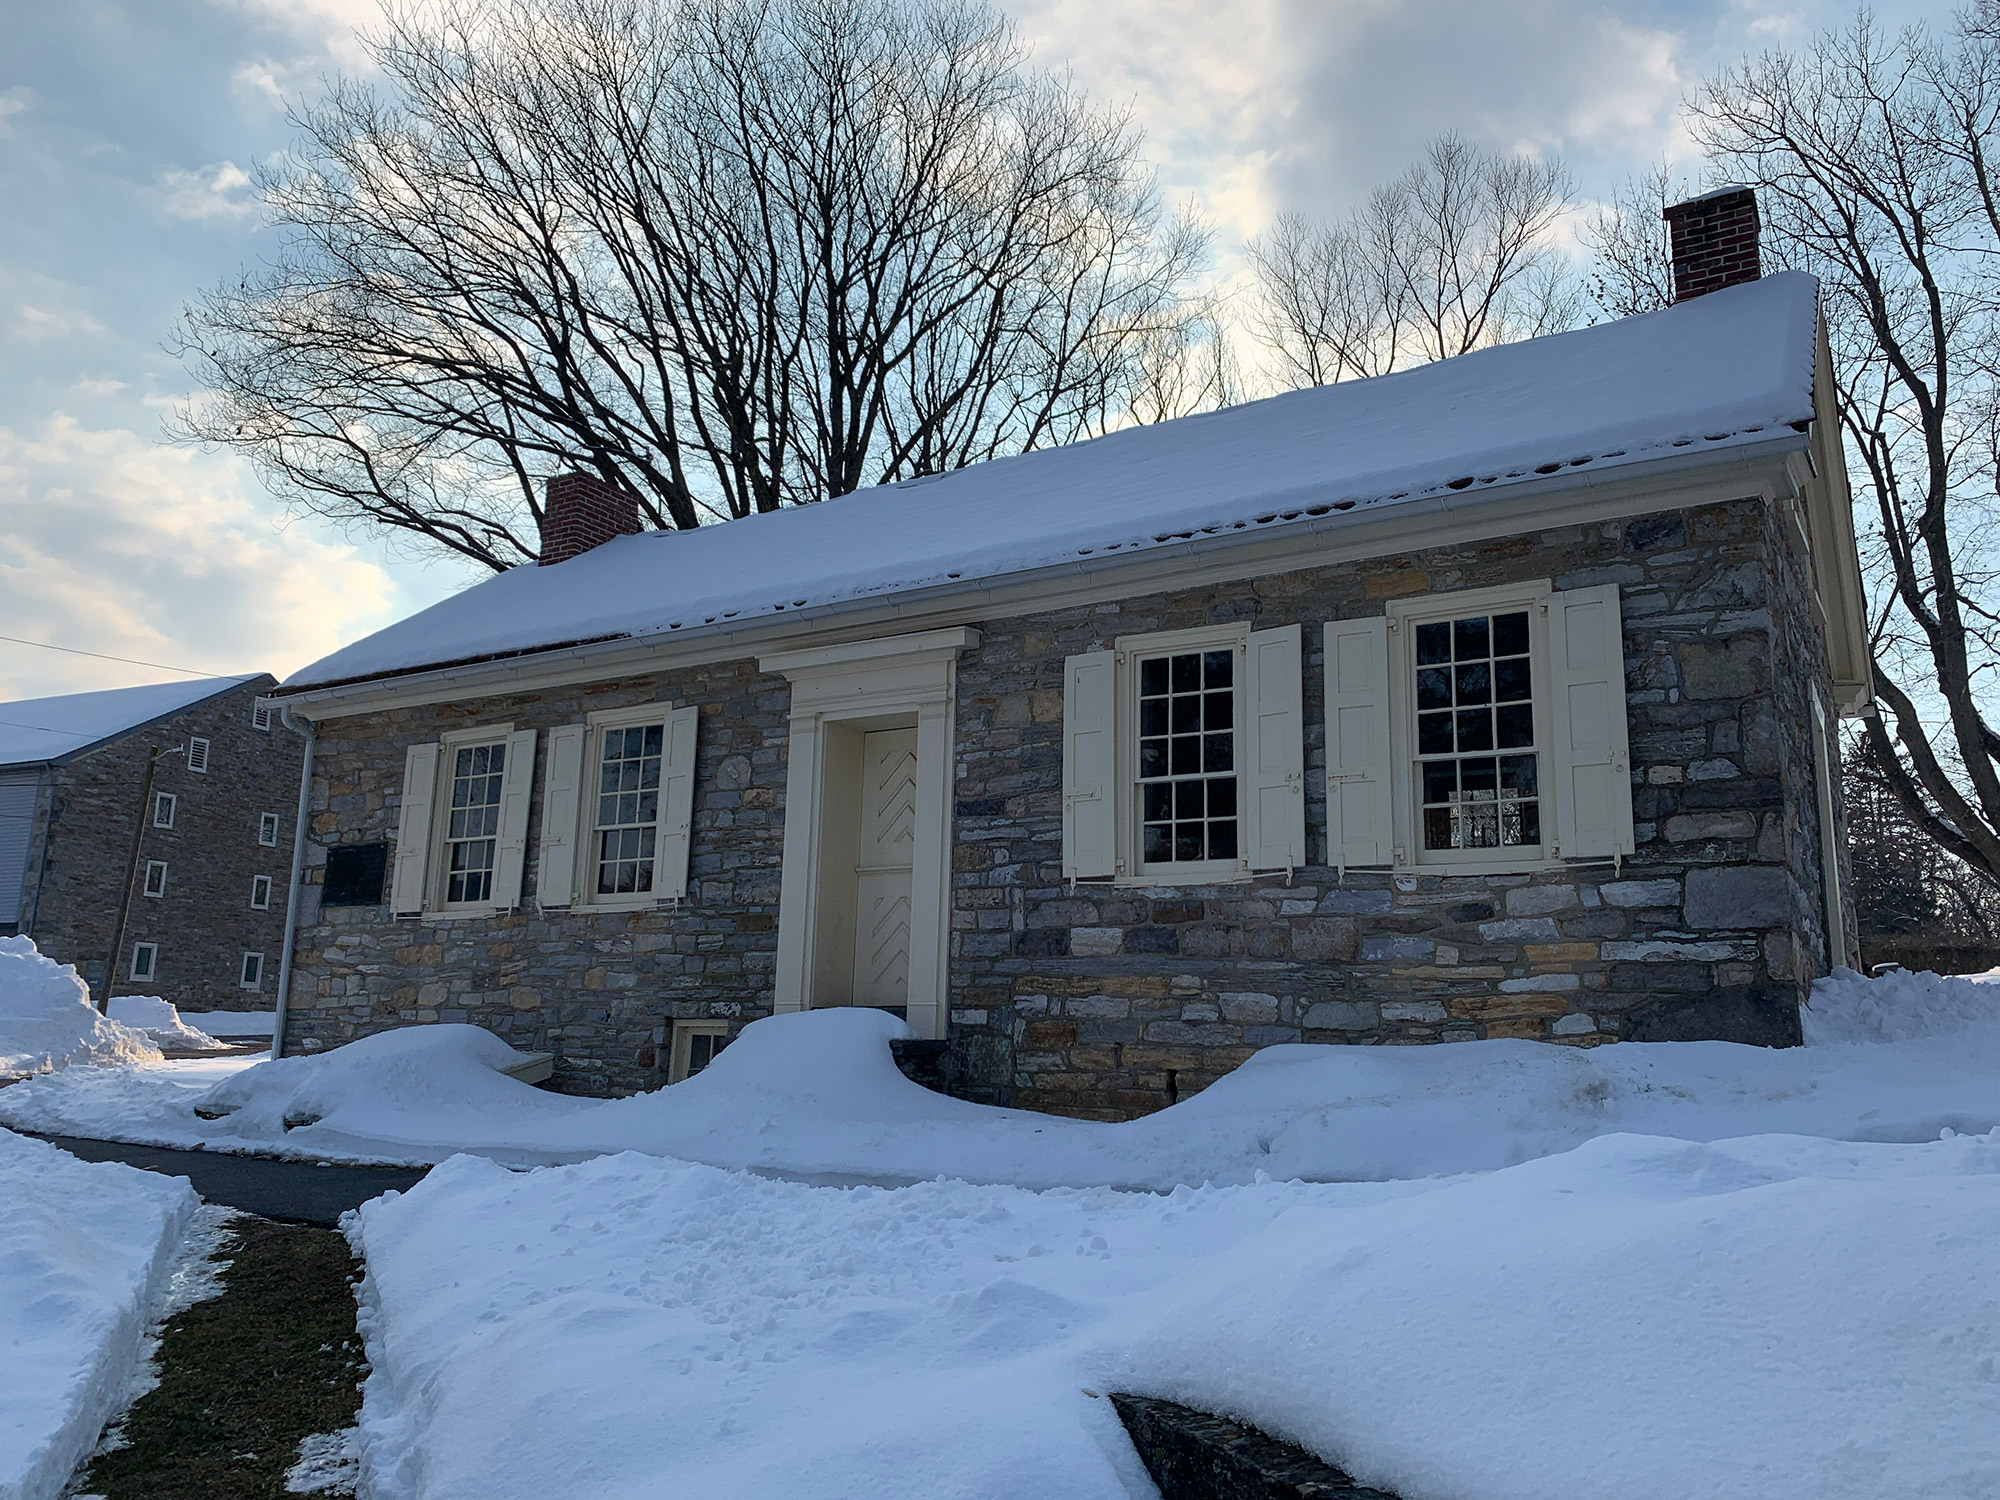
(1275, 759)
(562, 786)
(510, 854)
(18, 795)
(1589, 763)
(1090, 766)
(407, 896)
(670, 864)
(1360, 806)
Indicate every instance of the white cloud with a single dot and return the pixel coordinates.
(221, 190)
(110, 542)
(12, 102)
(37, 325)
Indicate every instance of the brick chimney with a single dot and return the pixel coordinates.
(583, 512)
(1714, 241)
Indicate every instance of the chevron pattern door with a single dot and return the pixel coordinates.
(882, 869)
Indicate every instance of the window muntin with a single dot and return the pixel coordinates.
(156, 877)
(472, 822)
(1187, 762)
(197, 756)
(695, 1044)
(145, 960)
(251, 975)
(260, 893)
(1478, 767)
(164, 804)
(626, 826)
(267, 830)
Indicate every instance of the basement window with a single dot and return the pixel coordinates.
(145, 960)
(156, 877)
(198, 756)
(251, 976)
(694, 1047)
(164, 804)
(260, 893)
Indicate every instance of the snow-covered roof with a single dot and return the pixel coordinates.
(41, 729)
(1714, 372)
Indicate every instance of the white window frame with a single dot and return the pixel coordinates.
(584, 894)
(268, 827)
(151, 887)
(150, 967)
(1404, 615)
(681, 1048)
(198, 750)
(1131, 650)
(260, 893)
(164, 802)
(449, 744)
(261, 715)
(245, 980)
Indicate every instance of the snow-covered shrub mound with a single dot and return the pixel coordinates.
(395, 1088)
(48, 1022)
(1898, 1007)
(159, 1020)
(84, 1248)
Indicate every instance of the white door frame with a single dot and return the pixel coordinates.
(871, 680)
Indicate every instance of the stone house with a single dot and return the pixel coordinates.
(1492, 698)
(193, 864)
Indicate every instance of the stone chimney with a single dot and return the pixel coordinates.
(1714, 241)
(583, 512)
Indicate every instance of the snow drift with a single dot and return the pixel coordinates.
(162, 1022)
(47, 1020)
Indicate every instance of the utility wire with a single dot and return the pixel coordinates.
(129, 661)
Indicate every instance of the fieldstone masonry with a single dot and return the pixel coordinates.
(1108, 1002)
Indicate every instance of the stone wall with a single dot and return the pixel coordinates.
(1104, 1002)
(598, 989)
(204, 923)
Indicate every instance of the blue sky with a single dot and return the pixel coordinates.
(127, 128)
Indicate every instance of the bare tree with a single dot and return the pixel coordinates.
(1453, 255)
(1875, 155)
(1633, 269)
(727, 254)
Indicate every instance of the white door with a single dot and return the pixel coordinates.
(882, 867)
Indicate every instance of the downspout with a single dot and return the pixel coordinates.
(311, 734)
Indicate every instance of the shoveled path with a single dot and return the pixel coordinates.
(297, 1192)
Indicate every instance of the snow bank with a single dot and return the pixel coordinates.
(47, 1020)
(818, 1094)
(1775, 1318)
(1899, 1007)
(159, 1020)
(84, 1247)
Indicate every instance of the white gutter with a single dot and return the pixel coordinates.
(311, 733)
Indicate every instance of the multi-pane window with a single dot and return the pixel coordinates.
(260, 892)
(628, 808)
(695, 1045)
(1479, 782)
(197, 756)
(1187, 757)
(472, 825)
(156, 877)
(267, 830)
(145, 960)
(251, 976)
(163, 809)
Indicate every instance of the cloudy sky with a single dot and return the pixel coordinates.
(127, 128)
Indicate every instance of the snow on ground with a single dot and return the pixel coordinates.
(1773, 1317)
(818, 1094)
(232, 1023)
(84, 1248)
(160, 1021)
(47, 1020)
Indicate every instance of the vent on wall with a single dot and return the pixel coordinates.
(260, 714)
(198, 756)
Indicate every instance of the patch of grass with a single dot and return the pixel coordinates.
(245, 1375)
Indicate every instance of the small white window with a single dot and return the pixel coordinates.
(260, 893)
(694, 1047)
(145, 960)
(267, 830)
(461, 839)
(252, 974)
(617, 808)
(163, 809)
(156, 877)
(472, 826)
(198, 756)
(260, 714)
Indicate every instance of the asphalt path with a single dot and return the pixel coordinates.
(297, 1192)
